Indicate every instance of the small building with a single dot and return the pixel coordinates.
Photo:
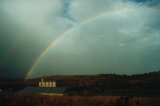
(45, 88)
(43, 83)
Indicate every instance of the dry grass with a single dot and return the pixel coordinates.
(44, 100)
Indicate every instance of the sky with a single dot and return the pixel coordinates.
(68, 37)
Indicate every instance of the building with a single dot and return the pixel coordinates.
(43, 83)
(45, 88)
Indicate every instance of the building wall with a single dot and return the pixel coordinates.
(53, 84)
(47, 84)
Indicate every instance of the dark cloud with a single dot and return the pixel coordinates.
(108, 36)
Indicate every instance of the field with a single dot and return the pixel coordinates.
(86, 90)
(44, 100)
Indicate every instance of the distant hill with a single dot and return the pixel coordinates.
(101, 84)
(151, 77)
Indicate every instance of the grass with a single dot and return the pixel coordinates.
(45, 100)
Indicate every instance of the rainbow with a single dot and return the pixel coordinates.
(61, 35)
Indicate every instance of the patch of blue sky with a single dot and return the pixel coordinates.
(65, 11)
(140, 1)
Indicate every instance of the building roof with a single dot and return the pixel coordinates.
(43, 90)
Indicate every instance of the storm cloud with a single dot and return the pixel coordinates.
(107, 36)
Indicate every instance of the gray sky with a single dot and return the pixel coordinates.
(88, 37)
